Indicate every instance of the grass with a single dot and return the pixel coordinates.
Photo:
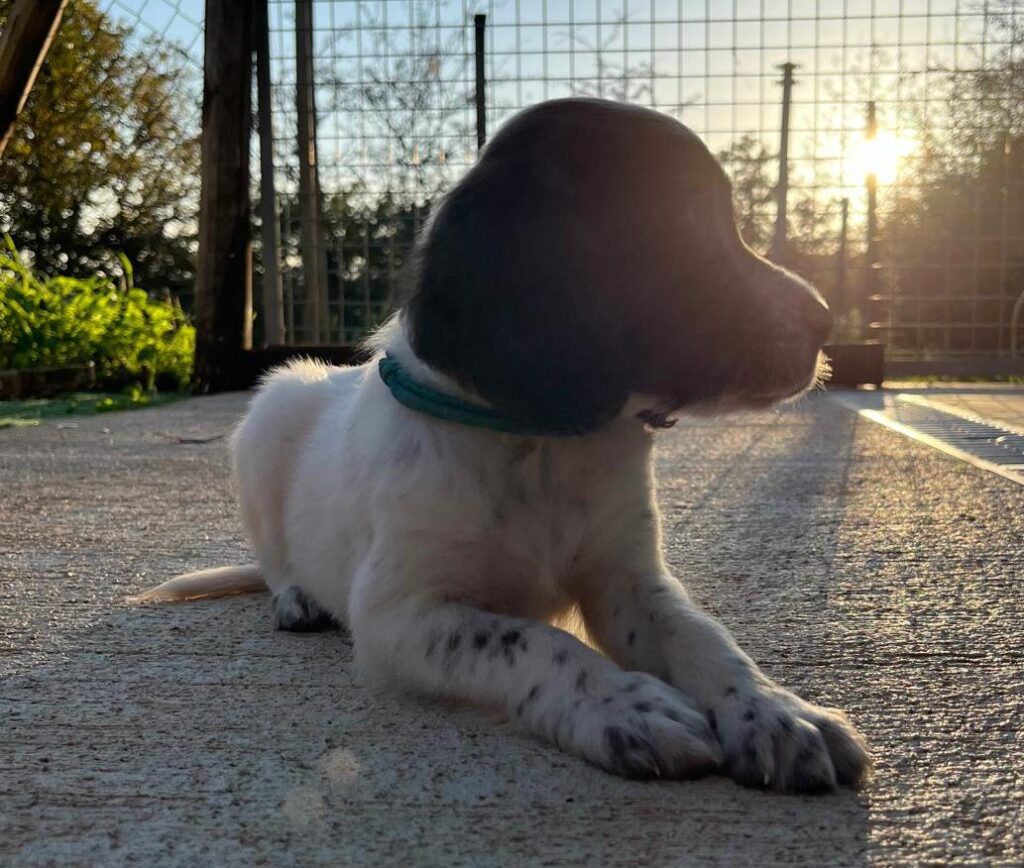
(19, 414)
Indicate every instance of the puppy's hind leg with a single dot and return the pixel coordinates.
(297, 612)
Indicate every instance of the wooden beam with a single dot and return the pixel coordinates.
(26, 38)
(223, 272)
(270, 231)
(314, 263)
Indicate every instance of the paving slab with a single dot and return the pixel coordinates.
(997, 403)
(859, 567)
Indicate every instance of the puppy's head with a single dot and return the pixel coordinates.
(592, 254)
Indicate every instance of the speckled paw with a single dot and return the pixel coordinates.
(773, 739)
(639, 727)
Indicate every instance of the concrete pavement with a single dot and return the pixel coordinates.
(994, 402)
(858, 567)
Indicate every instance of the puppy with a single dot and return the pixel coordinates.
(490, 470)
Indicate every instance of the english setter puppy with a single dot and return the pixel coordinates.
(489, 471)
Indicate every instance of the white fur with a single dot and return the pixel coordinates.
(449, 550)
(205, 585)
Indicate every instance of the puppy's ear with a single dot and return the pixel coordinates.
(508, 298)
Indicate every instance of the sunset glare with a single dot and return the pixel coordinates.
(882, 156)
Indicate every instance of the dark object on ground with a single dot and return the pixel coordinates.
(856, 364)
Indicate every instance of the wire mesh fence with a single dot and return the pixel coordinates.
(932, 265)
(905, 192)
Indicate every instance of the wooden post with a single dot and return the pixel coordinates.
(270, 231)
(314, 266)
(480, 29)
(31, 25)
(223, 274)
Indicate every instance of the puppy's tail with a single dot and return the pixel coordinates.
(206, 585)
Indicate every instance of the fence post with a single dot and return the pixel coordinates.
(479, 27)
(779, 241)
(314, 277)
(270, 231)
(223, 280)
(871, 301)
(31, 25)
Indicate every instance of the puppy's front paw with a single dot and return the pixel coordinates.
(637, 726)
(772, 738)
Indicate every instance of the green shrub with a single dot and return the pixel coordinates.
(68, 321)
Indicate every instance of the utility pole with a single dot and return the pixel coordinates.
(871, 302)
(779, 240)
(479, 26)
(840, 300)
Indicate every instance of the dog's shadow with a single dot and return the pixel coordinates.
(221, 731)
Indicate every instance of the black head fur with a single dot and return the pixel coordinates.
(591, 254)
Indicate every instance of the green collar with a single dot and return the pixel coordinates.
(424, 399)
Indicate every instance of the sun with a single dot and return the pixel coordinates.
(881, 156)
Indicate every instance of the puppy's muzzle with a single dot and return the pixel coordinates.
(814, 315)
